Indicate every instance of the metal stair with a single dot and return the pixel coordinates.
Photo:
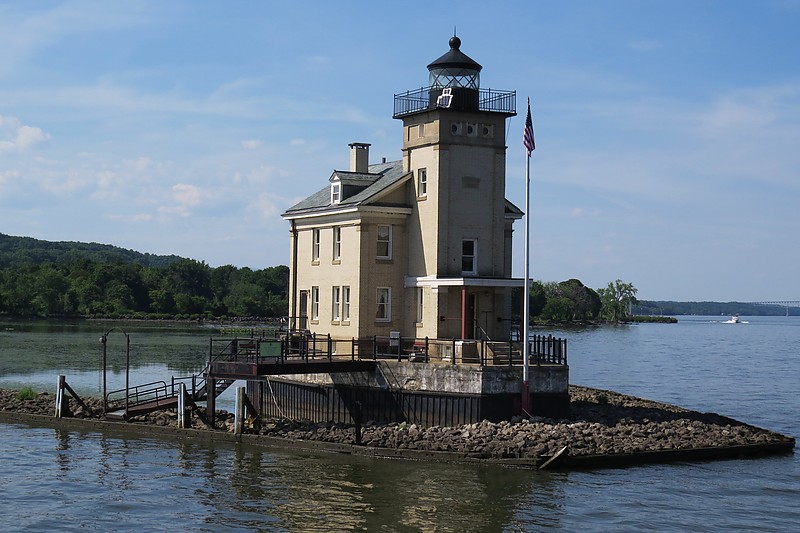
(159, 395)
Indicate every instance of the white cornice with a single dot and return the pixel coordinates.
(436, 282)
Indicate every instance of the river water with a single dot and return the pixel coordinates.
(71, 480)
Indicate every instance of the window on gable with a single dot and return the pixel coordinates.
(383, 311)
(422, 182)
(336, 193)
(469, 257)
(384, 242)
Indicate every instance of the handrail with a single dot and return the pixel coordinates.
(417, 100)
(140, 393)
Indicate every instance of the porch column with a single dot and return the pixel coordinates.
(464, 311)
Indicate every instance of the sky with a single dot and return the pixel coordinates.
(667, 133)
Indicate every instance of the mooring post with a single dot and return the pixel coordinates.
(239, 412)
(357, 420)
(211, 399)
(60, 398)
(181, 405)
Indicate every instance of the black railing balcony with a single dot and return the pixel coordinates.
(426, 98)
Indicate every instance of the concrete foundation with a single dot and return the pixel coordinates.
(422, 393)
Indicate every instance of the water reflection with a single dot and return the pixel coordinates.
(323, 493)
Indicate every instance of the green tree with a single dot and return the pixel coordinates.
(617, 299)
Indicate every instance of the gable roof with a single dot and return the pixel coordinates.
(381, 177)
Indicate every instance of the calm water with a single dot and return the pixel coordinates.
(71, 480)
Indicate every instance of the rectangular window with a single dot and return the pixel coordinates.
(314, 303)
(384, 242)
(419, 305)
(422, 182)
(336, 193)
(469, 257)
(383, 312)
(345, 303)
(337, 242)
(336, 307)
(315, 245)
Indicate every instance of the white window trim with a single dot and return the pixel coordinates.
(387, 305)
(422, 182)
(389, 247)
(316, 239)
(336, 192)
(336, 298)
(337, 243)
(314, 303)
(345, 303)
(474, 256)
(420, 307)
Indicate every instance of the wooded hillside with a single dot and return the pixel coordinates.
(42, 278)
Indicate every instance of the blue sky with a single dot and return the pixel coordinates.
(667, 133)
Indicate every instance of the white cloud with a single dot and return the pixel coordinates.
(266, 205)
(17, 137)
(578, 212)
(186, 195)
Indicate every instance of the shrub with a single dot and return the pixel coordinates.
(26, 393)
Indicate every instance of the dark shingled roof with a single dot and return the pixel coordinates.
(379, 178)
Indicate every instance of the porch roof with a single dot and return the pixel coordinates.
(436, 282)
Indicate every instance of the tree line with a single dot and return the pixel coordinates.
(68, 279)
(572, 301)
(184, 289)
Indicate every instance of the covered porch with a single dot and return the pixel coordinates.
(469, 307)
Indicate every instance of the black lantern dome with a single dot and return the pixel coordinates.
(455, 69)
(457, 76)
(454, 85)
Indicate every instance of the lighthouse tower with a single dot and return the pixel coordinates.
(459, 234)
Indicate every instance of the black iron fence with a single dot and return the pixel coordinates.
(295, 346)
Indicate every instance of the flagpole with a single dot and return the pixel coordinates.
(526, 397)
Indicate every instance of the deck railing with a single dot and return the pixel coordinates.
(417, 100)
(307, 346)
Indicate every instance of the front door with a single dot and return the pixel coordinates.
(303, 318)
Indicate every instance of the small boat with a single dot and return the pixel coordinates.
(734, 320)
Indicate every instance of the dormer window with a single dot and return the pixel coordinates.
(336, 192)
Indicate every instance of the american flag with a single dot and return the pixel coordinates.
(527, 138)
